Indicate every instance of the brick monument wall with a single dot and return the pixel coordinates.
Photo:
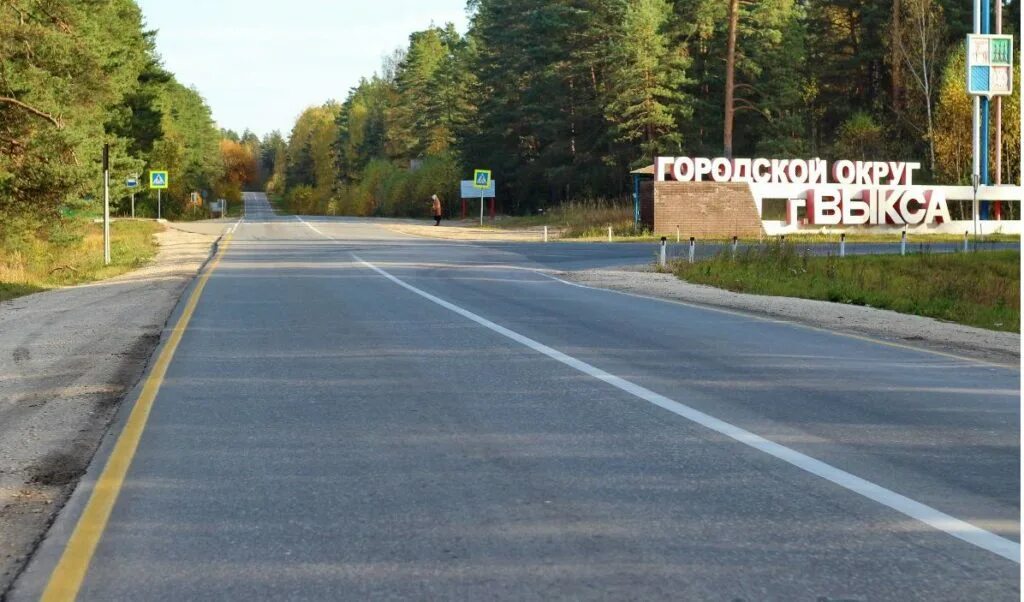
(704, 210)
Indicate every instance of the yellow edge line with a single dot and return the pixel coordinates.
(67, 577)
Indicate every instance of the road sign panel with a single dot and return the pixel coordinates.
(131, 182)
(989, 65)
(158, 180)
(482, 179)
(469, 190)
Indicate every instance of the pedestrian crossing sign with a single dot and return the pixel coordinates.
(482, 179)
(158, 180)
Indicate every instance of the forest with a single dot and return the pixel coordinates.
(559, 98)
(562, 98)
(78, 74)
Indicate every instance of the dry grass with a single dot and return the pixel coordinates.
(583, 219)
(72, 253)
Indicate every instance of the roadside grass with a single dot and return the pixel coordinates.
(976, 288)
(583, 219)
(72, 253)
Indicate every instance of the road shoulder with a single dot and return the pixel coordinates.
(67, 358)
(883, 325)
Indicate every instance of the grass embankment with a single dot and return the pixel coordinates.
(72, 253)
(978, 289)
(587, 219)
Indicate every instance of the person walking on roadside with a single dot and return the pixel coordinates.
(437, 210)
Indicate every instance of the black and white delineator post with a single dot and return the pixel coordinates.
(106, 204)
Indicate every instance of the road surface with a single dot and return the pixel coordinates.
(355, 414)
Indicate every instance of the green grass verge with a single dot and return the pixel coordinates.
(72, 253)
(978, 289)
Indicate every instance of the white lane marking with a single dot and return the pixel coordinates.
(960, 529)
(313, 228)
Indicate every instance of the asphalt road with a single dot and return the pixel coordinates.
(354, 414)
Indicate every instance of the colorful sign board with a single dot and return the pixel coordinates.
(131, 182)
(482, 179)
(159, 180)
(989, 65)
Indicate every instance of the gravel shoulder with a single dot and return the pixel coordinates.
(67, 357)
(884, 325)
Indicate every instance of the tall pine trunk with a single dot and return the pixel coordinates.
(730, 76)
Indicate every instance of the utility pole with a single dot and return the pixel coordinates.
(106, 204)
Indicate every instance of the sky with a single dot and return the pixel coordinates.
(259, 63)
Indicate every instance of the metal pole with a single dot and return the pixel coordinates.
(976, 126)
(692, 248)
(662, 257)
(158, 215)
(999, 115)
(106, 204)
(974, 182)
(481, 210)
(133, 204)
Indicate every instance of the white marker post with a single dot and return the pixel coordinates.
(106, 204)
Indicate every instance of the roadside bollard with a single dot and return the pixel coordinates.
(545, 233)
(678, 237)
(903, 243)
(692, 247)
(842, 245)
(966, 234)
(609, 233)
(735, 245)
(782, 239)
(662, 255)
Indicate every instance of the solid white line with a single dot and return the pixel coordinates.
(960, 529)
(313, 228)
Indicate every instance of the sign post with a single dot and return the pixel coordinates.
(159, 180)
(989, 73)
(470, 190)
(482, 182)
(106, 204)
(131, 184)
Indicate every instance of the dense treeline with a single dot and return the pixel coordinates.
(561, 98)
(75, 74)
